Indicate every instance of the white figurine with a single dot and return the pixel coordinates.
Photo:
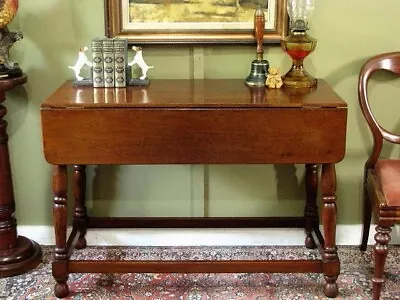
(80, 63)
(138, 59)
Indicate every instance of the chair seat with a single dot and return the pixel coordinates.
(388, 173)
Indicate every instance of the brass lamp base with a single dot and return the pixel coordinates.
(298, 78)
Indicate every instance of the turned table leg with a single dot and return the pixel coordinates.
(311, 209)
(18, 254)
(80, 216)
(330, 256)
(60, 263)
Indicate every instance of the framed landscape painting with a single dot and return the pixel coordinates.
(193, 21)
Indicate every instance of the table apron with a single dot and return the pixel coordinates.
(193, 136)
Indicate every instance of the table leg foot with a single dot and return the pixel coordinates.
(25, 257)
(331, 289)
(61, 290)
(81, 243)
(310, 243)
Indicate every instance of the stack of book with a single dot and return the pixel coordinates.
(109, 62)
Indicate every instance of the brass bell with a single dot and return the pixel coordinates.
(258, 73)
(259, 66)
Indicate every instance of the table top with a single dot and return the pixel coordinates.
(181, 93)
(193, 121)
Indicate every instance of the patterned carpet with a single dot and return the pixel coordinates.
(354, 280)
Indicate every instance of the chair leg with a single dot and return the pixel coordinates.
(367, 220)
(382, 238)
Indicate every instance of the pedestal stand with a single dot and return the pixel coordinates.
(17, 253)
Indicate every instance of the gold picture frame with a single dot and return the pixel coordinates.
(183, 21)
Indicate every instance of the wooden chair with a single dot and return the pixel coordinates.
(381, 176)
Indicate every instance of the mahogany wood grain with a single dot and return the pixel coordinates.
(199, 266)
(18, 254)
(175, 93)
(330, 255)
(60, 263)
(193, 136)
(195, 122)
(192, 222)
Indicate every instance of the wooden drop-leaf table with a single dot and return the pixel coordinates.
(195, 122)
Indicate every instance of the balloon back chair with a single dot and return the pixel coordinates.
(381, 176)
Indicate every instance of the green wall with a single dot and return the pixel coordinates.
(348, 33)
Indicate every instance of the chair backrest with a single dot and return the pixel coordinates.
(389, 62)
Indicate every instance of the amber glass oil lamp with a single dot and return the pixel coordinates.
(298, 44)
